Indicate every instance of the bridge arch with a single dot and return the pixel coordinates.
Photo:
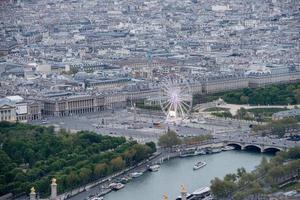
(271, 149)
(253, 147)
(235, 145)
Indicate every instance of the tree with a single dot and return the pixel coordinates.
(141, 152)
(230, 177)
(297, 95)
(244, 99)
(74, 159)
(85, 174)
(264, 166)
(222, 189)
(241, 113)
(240, 172)
(294, 153)
(100, 170)
(169, 139)
(152, 146)
(129, 157)
(117, 163)
(72, 179)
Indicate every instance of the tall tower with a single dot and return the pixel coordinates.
(183, 193)
(32, 195)
(53, 190)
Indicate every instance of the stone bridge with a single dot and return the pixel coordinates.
(257, 146)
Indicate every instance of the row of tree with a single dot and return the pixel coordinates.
(271, 95)
(263, 180)
(33, 155)
(278, 127)
(171, 139)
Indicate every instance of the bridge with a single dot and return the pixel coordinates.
(255, 146)
(259, 144)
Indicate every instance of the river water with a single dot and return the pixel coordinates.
(173, 173)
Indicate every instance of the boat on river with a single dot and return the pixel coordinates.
(191, 152)
(116, 186)
(216, 150)
(199, 194)
(97, 198)
(94, 197)
(199, 165)
(154, 168)
(136, 174)
(227, 148)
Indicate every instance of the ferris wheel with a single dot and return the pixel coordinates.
(175, 97)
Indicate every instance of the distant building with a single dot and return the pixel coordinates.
(7, 111)
(21, 107)
(108, 84)
(286, 114)
(68, 105)
(224, 83)
(278, 75)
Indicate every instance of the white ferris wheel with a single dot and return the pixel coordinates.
(175, 97)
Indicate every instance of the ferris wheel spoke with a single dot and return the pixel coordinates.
(186, 103)
(168, 113)
(166, 106)
(187, 106)
(184, 108)
(182, 111)
(185, 90)
(185, 97)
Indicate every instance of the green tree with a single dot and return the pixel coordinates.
(222, 189)
(240, 172)
(141, 152)
(32, 155)
(244, 99)
(297, 95)
(169, 139)
(117, 163)
(85, 174)
(100, 170)
(72, 179)
(152, 146)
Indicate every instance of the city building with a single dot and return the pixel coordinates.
(7, 111)
(286, 114)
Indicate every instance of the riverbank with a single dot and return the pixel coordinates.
(178, 171)
(158, 157)
(101, 188)
(105, 181)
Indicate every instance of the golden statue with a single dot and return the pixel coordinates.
(32, 190)
(166, 197)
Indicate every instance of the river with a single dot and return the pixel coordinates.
(173, 173)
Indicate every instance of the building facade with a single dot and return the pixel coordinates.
(7, 111)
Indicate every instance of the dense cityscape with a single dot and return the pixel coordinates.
(95, 93)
